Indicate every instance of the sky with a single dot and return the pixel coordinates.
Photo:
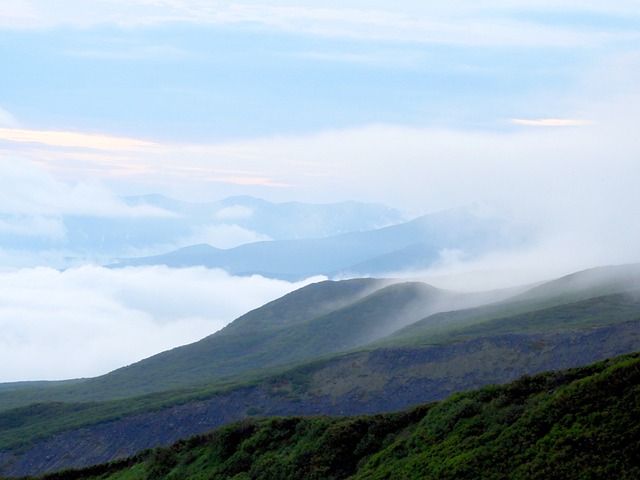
(531, 107)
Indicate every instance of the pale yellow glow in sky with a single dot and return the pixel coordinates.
(74, 139)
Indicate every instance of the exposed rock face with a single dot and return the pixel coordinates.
(363, 382)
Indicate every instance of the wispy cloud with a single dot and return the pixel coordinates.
(132, 52)
(74, 139)
(18, 11)
(552, 122)
(250, 181)
(7, 120)
(403, 166)
(29, 191)
(399, 57)
(223, 236)
(479, 23)
(78, 154)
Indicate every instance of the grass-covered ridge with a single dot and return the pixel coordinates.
(307, 354)
(503, 318)
(321, 319)
(364, 381)
(580, 423)
(336, 316)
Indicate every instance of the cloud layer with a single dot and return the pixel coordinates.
(470, 23)
(30, 190)
(90, 320)
(574, 180)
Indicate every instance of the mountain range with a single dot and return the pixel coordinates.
(157, 224)
(335, 347)
(245, 235)
(413, 245)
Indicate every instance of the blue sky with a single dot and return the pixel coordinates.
(202, 83)
(191, 76)
(529, 107)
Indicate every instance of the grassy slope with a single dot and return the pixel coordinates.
(616, 308)
(580, 423)
(365, 381)
(567, 302)
(449, 327)
(320, 319)
(293, 342)
(224, 353)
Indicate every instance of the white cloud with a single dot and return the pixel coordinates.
(28, 190)
(7, 120)
(460, 23)
(90, 320)
(571, 184)
(551, 257)
(17, 11)
(552, 122)
(234, 212)
(73, 139)
(580, 180)
(32, 226)
(223, 236)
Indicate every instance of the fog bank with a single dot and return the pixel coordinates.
(90, 320)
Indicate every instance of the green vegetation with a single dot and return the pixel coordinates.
(595, 297)
(334, 317)
(581, 423)
(312, 352)
(258, 339)
(461, 325)
(318, 320)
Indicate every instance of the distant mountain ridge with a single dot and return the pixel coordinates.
(334, 316)
(412, 245)
(157, 224)
(280, 221)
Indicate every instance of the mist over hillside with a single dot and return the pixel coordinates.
(331, 347)
(180, 297)
(429, 240)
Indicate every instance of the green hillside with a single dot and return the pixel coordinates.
(227, 352)
(462, 325)
(336, 316)
(332, 348)
(317, 320)
(595, 297)
(581, 423)
(45, 437)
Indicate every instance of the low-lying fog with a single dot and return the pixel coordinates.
(89, 320)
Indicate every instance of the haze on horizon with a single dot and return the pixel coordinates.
(528, 108)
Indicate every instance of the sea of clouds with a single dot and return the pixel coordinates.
(90, 320)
